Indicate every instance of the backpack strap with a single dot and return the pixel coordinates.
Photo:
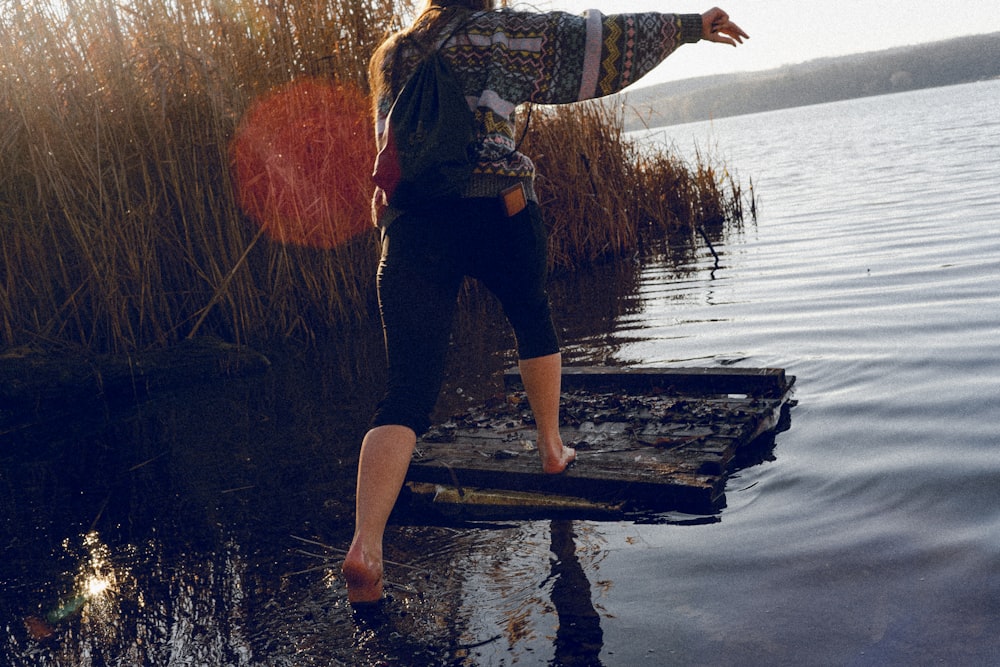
(461, 23)
(408, 39)
(438, 41)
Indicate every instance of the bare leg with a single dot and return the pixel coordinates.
(542, 378)
(385, 457)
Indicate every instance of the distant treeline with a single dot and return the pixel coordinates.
(954, 61)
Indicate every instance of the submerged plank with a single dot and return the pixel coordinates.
(646, 439)
(693, 381)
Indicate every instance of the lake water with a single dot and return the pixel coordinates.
(872, 538)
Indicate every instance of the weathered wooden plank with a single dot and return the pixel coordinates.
(646, 438)
(695, 381)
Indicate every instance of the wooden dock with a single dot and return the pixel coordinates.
(647, 440)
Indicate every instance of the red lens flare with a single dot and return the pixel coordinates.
(301, 161)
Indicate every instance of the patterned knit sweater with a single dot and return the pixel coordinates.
(505, 58)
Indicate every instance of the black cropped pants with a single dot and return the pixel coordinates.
(425, 257)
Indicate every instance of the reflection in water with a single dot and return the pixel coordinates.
(96, 592)
(527, 598)
(194, 614)
(161, 534)
(94, 595)
(579, 638)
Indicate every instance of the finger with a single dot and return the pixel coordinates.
(735, 37)
(720, 17)
(736, 31)
(718, 38)
(733, 34)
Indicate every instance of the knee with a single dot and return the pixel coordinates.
(537, 338)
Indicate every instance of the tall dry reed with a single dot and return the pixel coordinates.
(606, 195)
(119, 227)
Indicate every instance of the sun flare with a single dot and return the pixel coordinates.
(95, 586)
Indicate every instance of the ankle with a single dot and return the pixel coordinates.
(549, 445)
(363, 575)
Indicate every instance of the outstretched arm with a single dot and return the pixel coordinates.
(716, 27)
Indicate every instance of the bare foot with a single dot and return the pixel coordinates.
(555, 463)
(363, 577)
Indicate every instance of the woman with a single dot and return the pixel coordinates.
(494, 232)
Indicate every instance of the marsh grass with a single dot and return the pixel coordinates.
(607, 195)
(119, 224)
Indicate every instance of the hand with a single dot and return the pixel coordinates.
(716, 27)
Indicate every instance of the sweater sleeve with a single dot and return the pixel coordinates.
(596, 54)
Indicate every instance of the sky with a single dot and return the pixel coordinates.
(785, 32)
